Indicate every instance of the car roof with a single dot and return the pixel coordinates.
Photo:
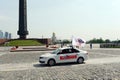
(65, 48)
(70, 48)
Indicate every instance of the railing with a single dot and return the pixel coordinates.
(110, 45)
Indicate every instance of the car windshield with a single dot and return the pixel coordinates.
(55, 51)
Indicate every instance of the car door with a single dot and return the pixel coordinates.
(74, 54)
(62, 56)
(66, 56)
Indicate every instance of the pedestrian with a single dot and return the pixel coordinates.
(90, 45)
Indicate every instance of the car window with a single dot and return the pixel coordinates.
(75, 51)
(65, 51)
(56, 51)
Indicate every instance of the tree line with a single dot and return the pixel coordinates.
(100, 40)
(94, 40)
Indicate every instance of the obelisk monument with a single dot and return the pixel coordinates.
(22, 32)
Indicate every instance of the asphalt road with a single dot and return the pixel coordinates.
(103, 64)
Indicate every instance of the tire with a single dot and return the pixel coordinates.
(80, 60)
(51, 62)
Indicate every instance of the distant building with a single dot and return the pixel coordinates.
(10, 36)
(46, 41)
(6, 35)
(54, 39)
(1, 34)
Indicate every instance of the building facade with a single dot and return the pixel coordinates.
(5, 35)
(1, 34)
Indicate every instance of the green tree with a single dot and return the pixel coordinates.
(107, 41)
(94, 40)
(66, 41)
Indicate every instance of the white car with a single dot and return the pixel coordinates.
(63, 55)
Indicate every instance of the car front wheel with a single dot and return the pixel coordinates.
(80, 60)
(51, 62)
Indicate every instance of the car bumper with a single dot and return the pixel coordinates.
(42, 61)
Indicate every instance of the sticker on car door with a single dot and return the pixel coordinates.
(68, 57)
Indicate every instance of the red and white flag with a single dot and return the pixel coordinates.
(78, 42)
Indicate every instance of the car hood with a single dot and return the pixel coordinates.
(83, 51)
(47, 55)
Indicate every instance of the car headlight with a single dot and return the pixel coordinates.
(43, 57)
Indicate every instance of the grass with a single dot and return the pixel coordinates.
(24, 43)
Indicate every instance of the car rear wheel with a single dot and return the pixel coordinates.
(80, 60)
(51, 62)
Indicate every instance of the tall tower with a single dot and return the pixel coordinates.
(22, 32)
(54, 38)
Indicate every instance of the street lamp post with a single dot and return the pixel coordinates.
(22, 32)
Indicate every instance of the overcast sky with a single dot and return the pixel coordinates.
(87, 19)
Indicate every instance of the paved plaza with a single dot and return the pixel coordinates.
(103, 64)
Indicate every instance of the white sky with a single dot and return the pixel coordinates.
(87, 19)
